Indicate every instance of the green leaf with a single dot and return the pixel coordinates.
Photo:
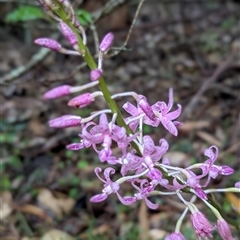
(73, 193)
(15, 162)
(5, 183)
(69, 154)
(84, 17)
(147, 129)
(82, 164)
(24, 13)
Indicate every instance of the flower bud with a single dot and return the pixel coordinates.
(81, 101)
(65, 121)
(237, 185)
(106, 42)
(48, 43)
(201, 225)
(68, 33)
(175, 236)
(57, 92)
(224, 230)
(95, 74)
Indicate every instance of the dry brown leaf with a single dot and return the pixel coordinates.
(232, 149)
(5, 204)
(66, 204)
(188, 126)
(37, 127)
(56, 234)
(209, 138)
(155, 220)
(178, 158)
(143, 221)
(57, 206)
(234, 200)
(33, 210)
(157, 234)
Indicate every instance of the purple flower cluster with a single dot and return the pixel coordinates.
(141, 161)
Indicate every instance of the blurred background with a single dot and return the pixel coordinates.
(192, 46)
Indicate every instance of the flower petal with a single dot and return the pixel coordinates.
(99, 197)
(149, 145)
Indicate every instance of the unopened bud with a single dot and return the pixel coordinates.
(106, 42)
(175, 236)
(95, 74)
(237, 185)
(48, 43)
(224, 229)
(57, 92)
(68, 33)
(81, 101)
(65, 121)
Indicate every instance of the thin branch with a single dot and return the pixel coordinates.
(109, 7)
(95, 37)
(17, 72)
(129, 31)
(206, 84)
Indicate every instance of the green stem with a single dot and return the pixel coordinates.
(88, 58)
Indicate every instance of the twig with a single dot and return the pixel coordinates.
(17, 72)
(222, 67)
(133, 23)
(95, 37)
(230, 150)
(129, 31)
(107, 9)
(224, 89)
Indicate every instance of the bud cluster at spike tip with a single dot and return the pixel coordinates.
(140, 158)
